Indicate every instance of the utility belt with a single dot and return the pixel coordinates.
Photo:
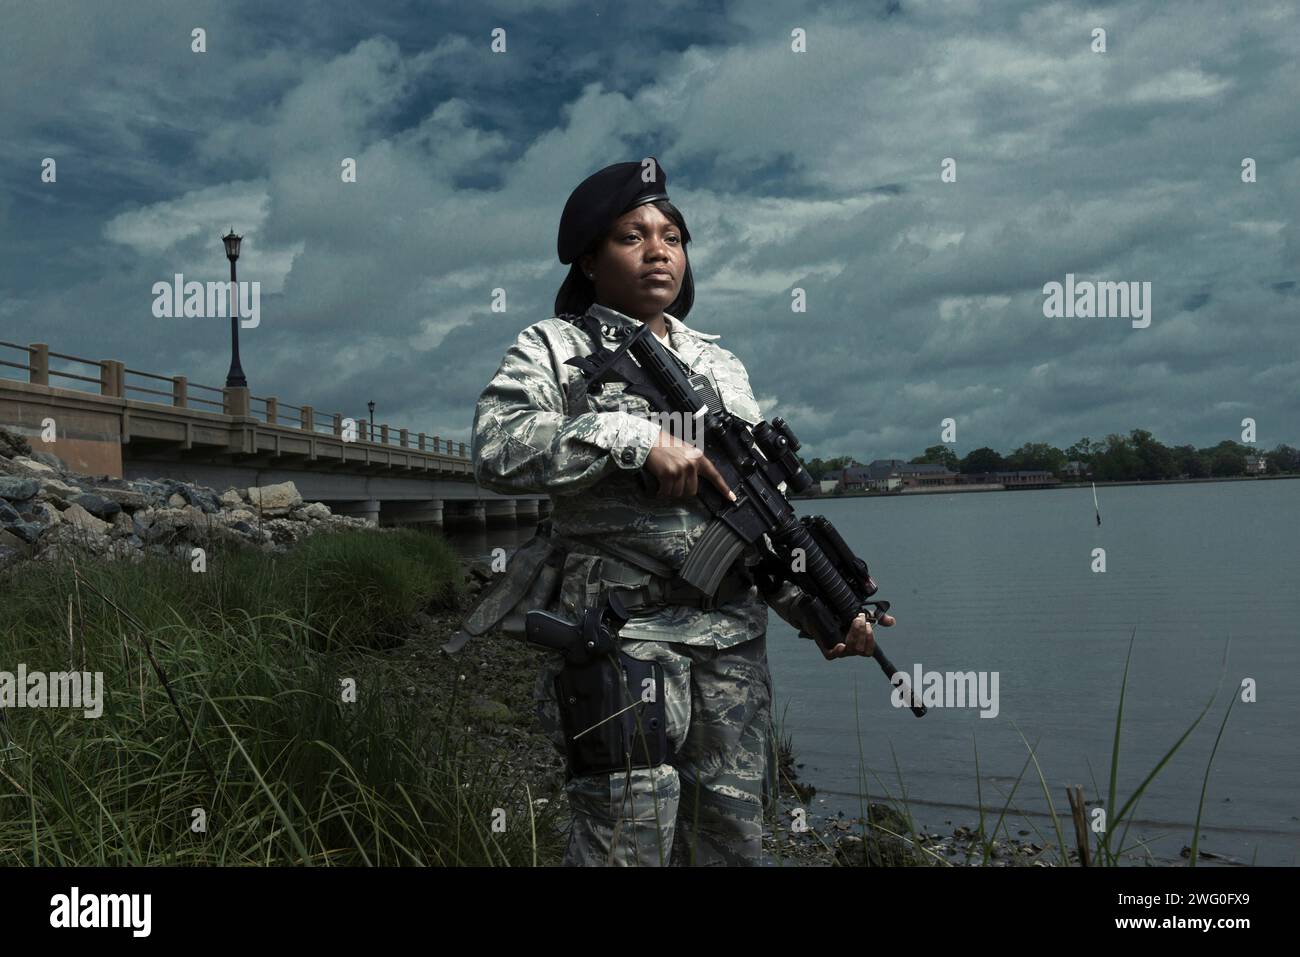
(641, 589)
(534, 580)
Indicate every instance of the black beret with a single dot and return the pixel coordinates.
(603, 197)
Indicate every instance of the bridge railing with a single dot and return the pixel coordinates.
(109, 378)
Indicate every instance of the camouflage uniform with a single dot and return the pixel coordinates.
(527, 438)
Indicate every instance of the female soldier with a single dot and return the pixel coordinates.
(537, 429)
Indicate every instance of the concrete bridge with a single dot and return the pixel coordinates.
(151, 426)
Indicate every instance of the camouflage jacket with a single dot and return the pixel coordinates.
(528, 437)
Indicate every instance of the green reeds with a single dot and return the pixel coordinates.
(906, 835)
(229, 734)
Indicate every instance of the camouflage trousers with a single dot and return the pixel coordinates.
(706, 808)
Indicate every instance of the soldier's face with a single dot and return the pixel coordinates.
(638, 269)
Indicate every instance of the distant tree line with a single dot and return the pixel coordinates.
(1118, 458)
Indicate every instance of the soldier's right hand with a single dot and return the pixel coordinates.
(678, 467)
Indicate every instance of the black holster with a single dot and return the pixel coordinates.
(588, 694)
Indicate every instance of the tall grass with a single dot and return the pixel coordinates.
(226, 737)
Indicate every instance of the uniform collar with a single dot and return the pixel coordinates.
(678, 331)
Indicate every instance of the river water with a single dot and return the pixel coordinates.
(1004, 582)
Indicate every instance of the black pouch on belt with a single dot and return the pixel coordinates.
(589, 694)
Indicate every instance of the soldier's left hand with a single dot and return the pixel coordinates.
(859, 639)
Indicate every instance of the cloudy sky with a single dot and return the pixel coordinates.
(818, 170)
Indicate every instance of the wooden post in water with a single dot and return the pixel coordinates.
(1075, 796)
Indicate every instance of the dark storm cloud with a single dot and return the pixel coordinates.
(817, 170)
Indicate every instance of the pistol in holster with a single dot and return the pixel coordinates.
(611, 705)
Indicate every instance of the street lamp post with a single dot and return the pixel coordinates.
(371, 404)
(235, 377)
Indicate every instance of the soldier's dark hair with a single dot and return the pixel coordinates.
(578, 292)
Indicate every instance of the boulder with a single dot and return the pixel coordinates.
(199, 519)
(40, 468)
(158, 533)
(18, 489)
(231, 498)
(123, 526)
(13, 444)
(25, 526)
(10, 540)
(50, 459)
(29, 532)
(201, 498)
(52, 486)
(159, 523)
(97, 505)
(275, 499)
(126, 498)
(46, 513)
(317, 510)
(165, 522)
(176, 500)
(155, 492)
(284, 532)
(8, 514)
(80, 519)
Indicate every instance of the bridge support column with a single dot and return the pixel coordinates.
(367, 508)
(464, 513)
(501, 513)
(414, 513)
